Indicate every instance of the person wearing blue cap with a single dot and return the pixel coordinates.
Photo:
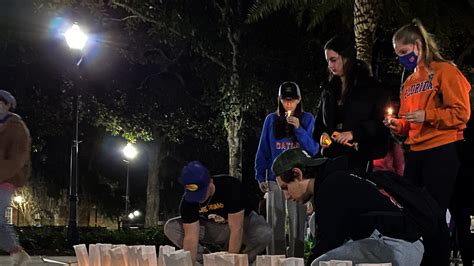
(214, 210)
(15, 145)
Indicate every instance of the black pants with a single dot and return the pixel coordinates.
(461, 206)
(435, 169)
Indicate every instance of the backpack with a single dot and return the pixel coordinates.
(416, 203)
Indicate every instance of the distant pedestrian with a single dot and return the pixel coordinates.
(15, 145)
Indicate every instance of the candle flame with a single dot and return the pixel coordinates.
(390, 111)
(288, 113)
(327, 141)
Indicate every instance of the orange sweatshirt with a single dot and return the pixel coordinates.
(444, 95)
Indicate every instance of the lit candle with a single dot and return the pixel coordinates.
(327, 141)
(389, 112)
(288, 113)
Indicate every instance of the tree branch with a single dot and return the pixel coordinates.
(143, 17)
(135, 12)
(125, 18)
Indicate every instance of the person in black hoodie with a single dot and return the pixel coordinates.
(355, 220)
(352, 105)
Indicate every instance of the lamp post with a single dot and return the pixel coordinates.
(18, 200)
(76, 40)
(129, 152)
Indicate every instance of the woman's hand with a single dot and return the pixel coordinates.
(293, 120)
(414, 117)
(263, 186)
(344, 138)
(391, 123)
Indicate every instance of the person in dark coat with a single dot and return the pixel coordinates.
(352, 105)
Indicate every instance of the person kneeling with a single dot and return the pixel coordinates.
(214, 211)
(355, 220)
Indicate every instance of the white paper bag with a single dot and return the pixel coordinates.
(210, 259)
(336, 263)
(178, 258)
(105, 258)
(133, 253)
(268, 260)
(374, 264)
(94, 255)
(148, 256)
(232, 259)
(81, 255)
(119, 255)
(164, 249)
(291, 262)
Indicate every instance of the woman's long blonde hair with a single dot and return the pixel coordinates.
(414, 31)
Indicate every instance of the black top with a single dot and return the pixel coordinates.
(229, 197)
(362, 113)
(347, 207)
(466, 150)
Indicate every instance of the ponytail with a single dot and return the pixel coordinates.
(414, 31)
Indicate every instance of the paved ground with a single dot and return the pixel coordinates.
(36, 261)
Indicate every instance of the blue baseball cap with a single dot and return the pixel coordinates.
(195, 178)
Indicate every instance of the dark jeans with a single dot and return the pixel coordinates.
(435, 169)
(461, 207)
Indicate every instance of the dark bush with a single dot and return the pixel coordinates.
(51, 240)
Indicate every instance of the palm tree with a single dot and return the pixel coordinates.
(365, 15)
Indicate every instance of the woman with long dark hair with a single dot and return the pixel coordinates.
(351, 110)
(286, 128)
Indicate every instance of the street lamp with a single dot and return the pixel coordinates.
(130, 152)
(134, 214)
(76, 40)
(18, 200)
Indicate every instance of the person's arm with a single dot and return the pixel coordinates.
(263, 158)
(18, 155)
(236, 228)
(304, 134)
(455, 109)
(191, 238)
(319, 127)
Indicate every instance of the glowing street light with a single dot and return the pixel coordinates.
(134, 214)
(130, 152)
(76, 40)
(18, 199)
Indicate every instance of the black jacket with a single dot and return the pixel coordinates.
(362, 113)
(345, 205)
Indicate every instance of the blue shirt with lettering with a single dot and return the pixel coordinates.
(270, 147)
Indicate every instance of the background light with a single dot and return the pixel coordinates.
(75, 38)
(129, 151)
(18, 199)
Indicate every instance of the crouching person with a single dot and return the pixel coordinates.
(355, 220)
(214, 210)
